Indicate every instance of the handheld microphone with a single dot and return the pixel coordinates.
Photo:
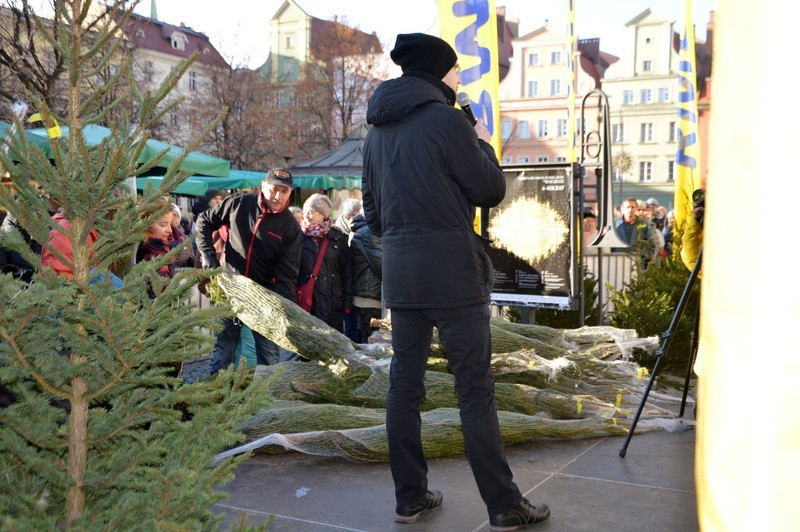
(463, 100)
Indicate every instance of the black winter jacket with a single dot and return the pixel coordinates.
(262, 245)
(425, 171)
(366, 253)
(332, 291)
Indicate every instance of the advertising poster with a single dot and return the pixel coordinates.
(532, 244)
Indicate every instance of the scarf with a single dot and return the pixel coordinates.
(319, 230)
(153, 248)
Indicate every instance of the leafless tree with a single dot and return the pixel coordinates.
(335, 86)
(253, 135)
(32, 67)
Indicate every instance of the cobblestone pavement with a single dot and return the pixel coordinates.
(196, 369)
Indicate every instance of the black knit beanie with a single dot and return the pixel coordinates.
(211, 193)
(423, 53)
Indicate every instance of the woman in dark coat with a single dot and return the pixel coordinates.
(332, 292)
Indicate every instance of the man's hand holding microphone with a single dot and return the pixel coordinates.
(480, 128)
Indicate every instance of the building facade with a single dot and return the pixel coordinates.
(157, 48)
(641, 87)
(643, 90)
(533, 96)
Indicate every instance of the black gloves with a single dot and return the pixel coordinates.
(209, 260)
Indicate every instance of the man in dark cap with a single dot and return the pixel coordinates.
(426, 169)
(210, 199)
(264, 243)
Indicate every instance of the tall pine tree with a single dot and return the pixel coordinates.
(102, 433)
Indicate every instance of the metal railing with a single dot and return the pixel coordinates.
(617, 271)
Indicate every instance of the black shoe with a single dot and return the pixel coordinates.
(519, 516)
(409, 513)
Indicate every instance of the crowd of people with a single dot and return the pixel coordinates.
(258, 235)
(645, 226)
(292, 250)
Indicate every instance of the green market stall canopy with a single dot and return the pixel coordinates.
(197, 185)
(95, 135)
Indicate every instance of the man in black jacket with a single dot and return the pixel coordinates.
(366, 258)
(264, 244)
(425, 170)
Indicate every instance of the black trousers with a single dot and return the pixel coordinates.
(466, 337)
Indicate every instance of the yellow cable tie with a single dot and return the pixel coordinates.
(619, 396)
(52, 132)
(614, 420)
(641, 372)
(580, 405)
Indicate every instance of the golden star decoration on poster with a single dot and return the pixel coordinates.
(511, 226)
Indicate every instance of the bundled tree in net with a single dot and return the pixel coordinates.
(100, 432)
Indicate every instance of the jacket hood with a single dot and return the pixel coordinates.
(399, 97)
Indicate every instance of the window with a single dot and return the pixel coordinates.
(192, 81)
(671, 171)
(524, 159)
(178, 41)
(542, 159)
(645, 171)
(290, 41)
(647, 65)
(616, 175)
(580, 126)
(533, 59)
(506, 127)
(279, 99)
(664, 95)
(618, 133)
(673, 132)
(647, 40)
(555, 58)
(533, 89)
(561, 128)
(148, 71)
(173, 119)
(647, 132)
(561, 159)
(555, 87)
(543, 129)
(627, 97)
(523, 130)
(506, 159)
(646, 96)
(288, 68)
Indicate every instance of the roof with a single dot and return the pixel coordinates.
(338, 168)
(594, 61)
(340, 160)
(155, 35)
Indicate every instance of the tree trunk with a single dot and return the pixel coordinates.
(78, 429)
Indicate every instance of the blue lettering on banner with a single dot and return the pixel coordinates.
(466, 44)
(687, 94)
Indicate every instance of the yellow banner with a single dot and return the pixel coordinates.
(471, 29)
(572, 68)
(687, 171)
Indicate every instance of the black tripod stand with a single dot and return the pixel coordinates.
(668, 334)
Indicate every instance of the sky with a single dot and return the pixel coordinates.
(239, 29)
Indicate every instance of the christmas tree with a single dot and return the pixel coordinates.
(101, 432)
